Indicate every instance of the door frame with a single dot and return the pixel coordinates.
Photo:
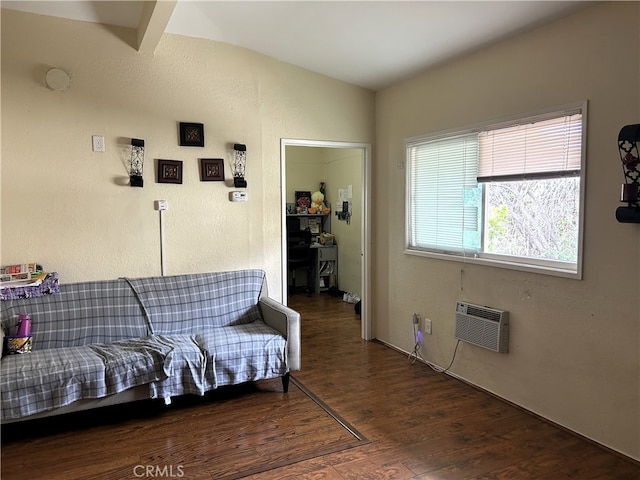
(365, 230)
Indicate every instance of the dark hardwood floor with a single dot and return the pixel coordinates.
(419, 425)
(423, 424)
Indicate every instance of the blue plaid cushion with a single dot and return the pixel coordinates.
(243, 353)
(43, 380)
(185, 304)
(185, 365)
(80, 314)
(132, 362)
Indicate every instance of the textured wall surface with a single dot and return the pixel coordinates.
(72, 210)
(574, 344)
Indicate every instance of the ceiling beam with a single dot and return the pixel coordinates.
(153, 20)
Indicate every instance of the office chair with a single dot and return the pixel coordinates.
(299, 256)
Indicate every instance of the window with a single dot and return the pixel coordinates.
(506, 194)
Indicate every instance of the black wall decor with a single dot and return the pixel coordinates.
(211, 169)
(239, 165)
(169, 171)
(137, 162)
(629, 148)
(191, 134)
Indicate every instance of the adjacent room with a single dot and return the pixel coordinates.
(286, 168)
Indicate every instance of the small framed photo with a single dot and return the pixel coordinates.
(169, 171)
(211, 170)
(303, 201)
(191, 134)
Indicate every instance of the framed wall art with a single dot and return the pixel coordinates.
(303, 201)
(169, 171)
(191, 134)
(211, 169)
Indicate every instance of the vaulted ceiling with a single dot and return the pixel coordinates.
(367, 43)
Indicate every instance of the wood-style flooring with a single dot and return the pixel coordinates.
(419, 424)
(422, 424)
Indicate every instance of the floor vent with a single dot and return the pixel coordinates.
(483, 326)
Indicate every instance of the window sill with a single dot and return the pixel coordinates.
(539, 269)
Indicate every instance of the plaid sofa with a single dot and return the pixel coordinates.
(103, 342)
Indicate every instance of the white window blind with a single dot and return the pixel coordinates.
(443, 172)
(545, 148)
(505, 193)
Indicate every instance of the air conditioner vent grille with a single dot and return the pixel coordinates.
(483, 326)
(484, 312)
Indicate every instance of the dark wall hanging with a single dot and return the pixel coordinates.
(211, 169)
(303, 201)
(137, 162)
(191, 134)
(169, 171)
(239, 165)
(629, 148)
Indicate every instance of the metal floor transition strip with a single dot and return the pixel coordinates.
(346, 425)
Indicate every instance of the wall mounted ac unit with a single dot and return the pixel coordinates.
(483, 326)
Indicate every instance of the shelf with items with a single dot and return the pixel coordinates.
(316, 223)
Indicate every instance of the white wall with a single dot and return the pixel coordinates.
(305, 170)
(574, 346)
(65, 206)
(344, 168)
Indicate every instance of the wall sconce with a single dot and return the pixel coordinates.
(137, 162)
(629, 148)
(239, 164)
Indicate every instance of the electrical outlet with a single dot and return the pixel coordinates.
(98, 143)
(160, 205)
(416, 319)
(427, 326)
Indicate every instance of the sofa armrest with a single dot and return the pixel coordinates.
(287, 322)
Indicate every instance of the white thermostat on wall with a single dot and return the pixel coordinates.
(238, 196)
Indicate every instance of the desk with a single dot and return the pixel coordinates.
(325, 266)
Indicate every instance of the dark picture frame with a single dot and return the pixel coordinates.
(191, 134)
(303, 201)
(211, 170)
(169, 171)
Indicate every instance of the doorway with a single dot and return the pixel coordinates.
(364, 225)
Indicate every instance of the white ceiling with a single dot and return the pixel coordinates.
(367, 43)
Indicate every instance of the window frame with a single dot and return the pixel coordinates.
(554, 268)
